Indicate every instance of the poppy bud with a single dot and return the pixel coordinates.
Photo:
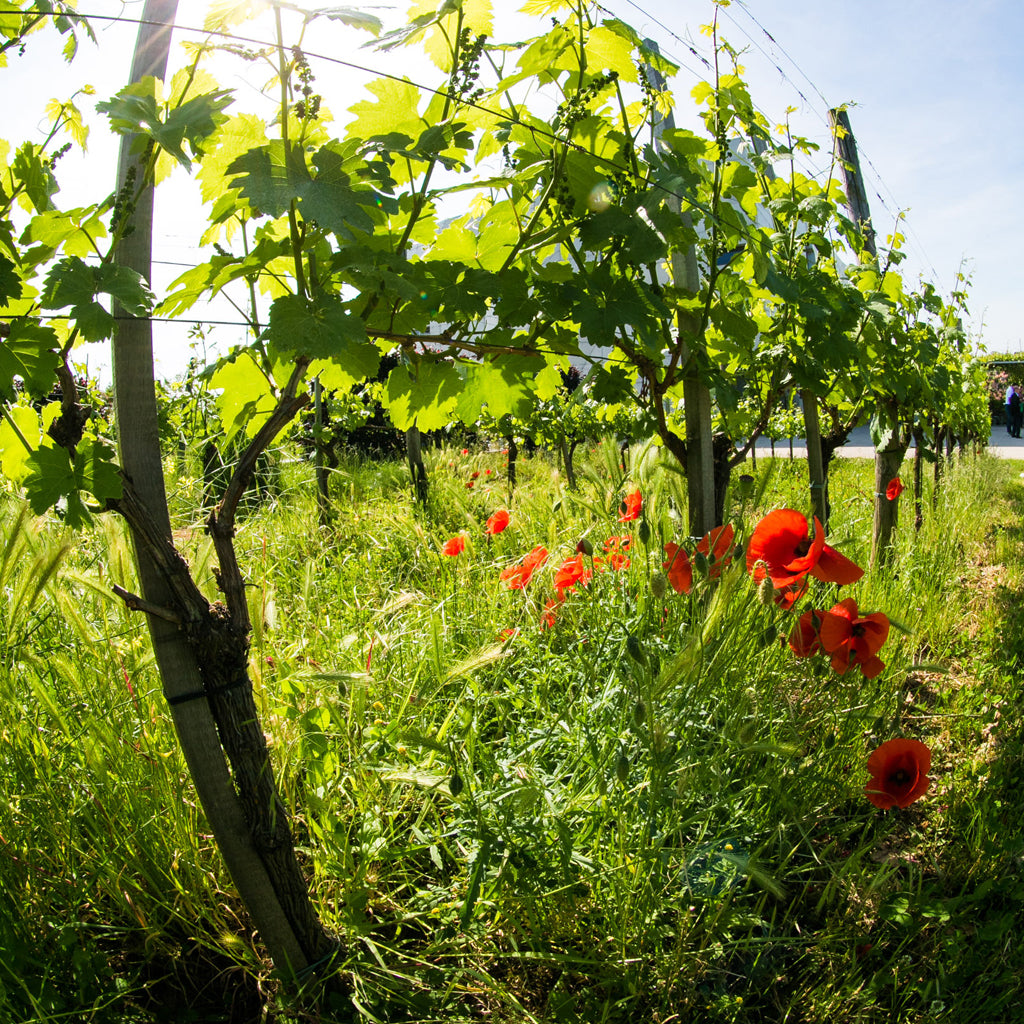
(639, 713)
(765, 591)
(634, 650)
(659, 585)
(622, 768)
(700, 562)
(455, 784)
(745, 486)
(584, 547)
(644, 532)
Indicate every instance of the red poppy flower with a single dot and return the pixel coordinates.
(517, 576)
(616, 548)
(547, 618)
(716, 547)
(497, 522)
(804, 640)
(680, 572)
(454, 546)
(571, 572)
(488, 472)
(469, 485)
(894, 489)
(474, 474)
(465, 451)
(899, 773)
(782, 549)
(630, 507)
(619, 542)
(853, 639)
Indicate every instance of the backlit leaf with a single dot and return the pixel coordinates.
(138, 109)
(351, 16)
(13, 453)
(424, 397)
(246, 398)
(33, 170)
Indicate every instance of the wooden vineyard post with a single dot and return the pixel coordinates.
(700, 461)
(816, 470)
(889, 458)
(323, 500)
(918, 475)
(815, 463)
(887, 465)
(201, 649)
(849, 164)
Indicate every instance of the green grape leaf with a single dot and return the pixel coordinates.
(548, 382)
(76, 230)
(72, 282)
(127, 286)
(13, 453)
(246, 397)
(10, 282)
(330, 199)
(51, 476)
(394, 112)
(137, 109)
(93, 321)
(408, 33)
(97, 471)
(497, 233)
(29, 353)
(425, 398)
(333, 376)
(67, 114)
(261, 175)
(350, 16)
(235, 137)
(502, 386)
(33, 170)
(608, 49)
(320, 329)
(270, 180)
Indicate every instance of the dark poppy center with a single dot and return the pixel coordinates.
(802, 548)
(900, 778)
(857, 629)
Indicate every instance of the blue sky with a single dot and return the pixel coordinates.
(928, 86)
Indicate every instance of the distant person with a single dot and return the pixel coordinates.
(1016, 413)
(1009, 394)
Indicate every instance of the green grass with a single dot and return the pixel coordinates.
(650, 811)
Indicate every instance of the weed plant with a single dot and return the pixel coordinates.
(634, 804)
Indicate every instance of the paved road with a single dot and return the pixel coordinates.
(859, 446)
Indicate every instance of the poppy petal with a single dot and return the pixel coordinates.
(832, 567)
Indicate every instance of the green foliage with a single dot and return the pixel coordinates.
(138, 110)
(649, 776)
